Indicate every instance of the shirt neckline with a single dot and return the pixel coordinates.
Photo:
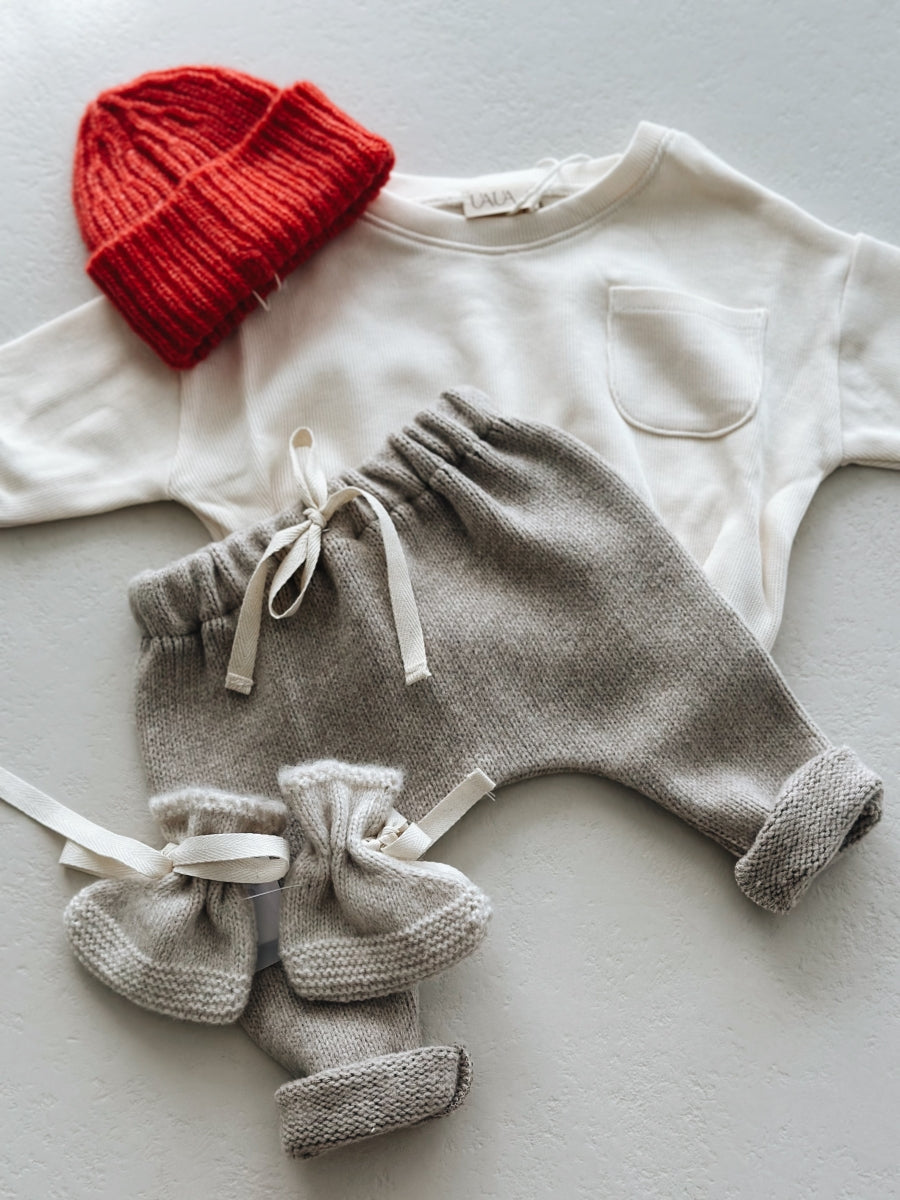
(414, 219)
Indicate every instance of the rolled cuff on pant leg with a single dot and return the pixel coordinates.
(361, 1100)
(828, 804)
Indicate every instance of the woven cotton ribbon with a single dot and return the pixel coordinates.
(303, 543)
(410, 839)
(227, 857)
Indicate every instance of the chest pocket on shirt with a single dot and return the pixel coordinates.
(681, 365)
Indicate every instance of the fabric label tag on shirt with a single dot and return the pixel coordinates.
(493, 197)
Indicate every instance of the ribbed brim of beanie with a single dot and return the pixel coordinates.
(197, 189)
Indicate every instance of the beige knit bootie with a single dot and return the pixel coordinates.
(363, 1070)
(181, 946)
(356, 923)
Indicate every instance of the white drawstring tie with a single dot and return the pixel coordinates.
(303, 543)
(226, 857)
(409, 840)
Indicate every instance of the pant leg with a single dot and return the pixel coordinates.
(611, 653)
(362, 1070)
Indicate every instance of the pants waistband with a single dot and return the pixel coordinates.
(177, 599)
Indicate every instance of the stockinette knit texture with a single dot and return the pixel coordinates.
(181, 946)
(363, 1070)
(356, 923)
(198, 189)
(565, 628)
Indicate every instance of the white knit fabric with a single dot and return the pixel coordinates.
(721, 348)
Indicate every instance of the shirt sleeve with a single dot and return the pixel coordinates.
(89, 419)
(870, 355)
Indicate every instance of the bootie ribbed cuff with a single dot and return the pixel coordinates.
(828, 804)
(362, 1100)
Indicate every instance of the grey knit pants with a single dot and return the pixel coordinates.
(566, 630)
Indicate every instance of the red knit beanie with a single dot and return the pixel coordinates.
(196, 189)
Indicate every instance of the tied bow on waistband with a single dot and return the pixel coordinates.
(303, 543)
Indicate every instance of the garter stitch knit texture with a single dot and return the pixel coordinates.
(761, 874)
(180, 946)
(360, 1101)
(197, 188)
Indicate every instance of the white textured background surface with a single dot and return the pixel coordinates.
(639, 1029)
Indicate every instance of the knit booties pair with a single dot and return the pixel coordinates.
(358, 930)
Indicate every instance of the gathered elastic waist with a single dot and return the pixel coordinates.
(177, 599)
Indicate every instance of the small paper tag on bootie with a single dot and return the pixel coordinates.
(267, 908)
